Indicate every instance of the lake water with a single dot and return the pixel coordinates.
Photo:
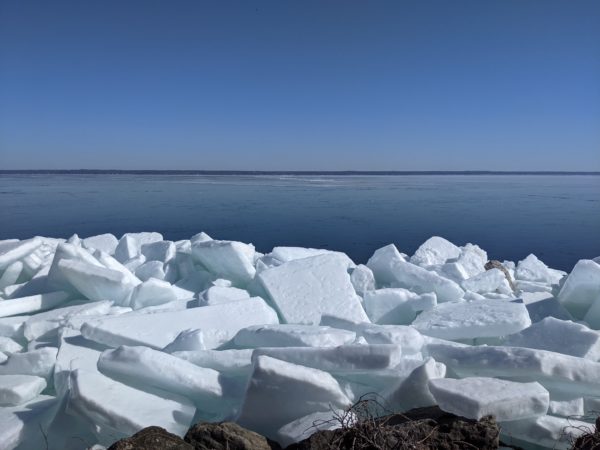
(557, 217)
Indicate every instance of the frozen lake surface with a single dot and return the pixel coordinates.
(556, 217)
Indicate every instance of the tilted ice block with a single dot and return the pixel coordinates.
(559, 336)
(187, 340)
(532, 269)
(338, 359)
(152, 292)
(381, 264)
(133, 263)
(143, 366)
(104, 242)
(227, 259)
(97, 283)
(470, 320)
(472, 259)
(477, 397)
(581, 288)
(304, 427)
(219, 324)
(488, 281)
(592, 317)
(159, 251)
(111, 263)
(304, 389)
(11, 274)
(56, 278)
(285, 254)
(220, 294)
(7, 345)
(421, 281)
(553, 370)
(42, 323)
(230, 362)
(196, 282)
(304, 289)
(12, 327)
(396, 306)
(542, 304)
(546, 431)
(32, 303)
(362, 279)
(453, 271)
(17, 250)
(150, 269)
(23, 425)
(39, 363)
(200, 237)
(413, 391)
(122, 410)
(18, 389)
(435, 250)
(283, 335)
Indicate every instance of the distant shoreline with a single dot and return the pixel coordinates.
(284, 172)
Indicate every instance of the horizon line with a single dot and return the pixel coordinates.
(285, 172)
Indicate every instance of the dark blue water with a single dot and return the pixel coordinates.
(510, 216)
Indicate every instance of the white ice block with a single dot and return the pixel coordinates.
(187, 340)
(143, 366)
(303, 290)
(17, 250)
(12, 327)
(18, 389)
(230, 362)
(304, 427)
(435, 250)
(226, 259)
(163, 251)
(566, 406)
(150, 269)
(559, 336)
(33, 303)
(592, 317)
(581, 288)
(284, 335)
(546, 431)
(407, 337)
(222, 294)
(11, 274)
(97, 283)
(470, 320)
(381, 264)
(122, 410)
(472, 260)
(420, 280)
(130, 244)
(104, 242)
(532, 269)
(489, 281)
(152, 292)
(23, 425)
(476, 397)
(396, 306)
(219, 324)
(304, 389)
(39, 363)
(8, 346)
(111, 263)
(362, 279)
(56, 278)
(286, 254)
(553, 370)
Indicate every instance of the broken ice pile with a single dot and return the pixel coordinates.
(101, 337)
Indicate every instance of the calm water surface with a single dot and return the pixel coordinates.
(510, 216)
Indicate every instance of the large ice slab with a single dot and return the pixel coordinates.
(362, 279)
(492, 280)
(230, 362)
(23, 425)
(163, 251)
(419, 280)
(65, 251)
(559, 336)
(226, 259)
(152, 292)
(396, 306)
(532, 269)
(470, 320)
(284, 335)
(286, 254)
(553, 370)
(223, 294)
(120, 410)
(33, 303)
(381, 264)
(219, 323)
(435, 250)
(17, 250)
(303, 290)
(476, 397)
(39, 363)
(18, 389)
(11, 274)
(104, 242)
(304, 389)
(581, 289)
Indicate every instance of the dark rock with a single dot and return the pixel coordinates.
(419, 429)
(495, 264)
(152, 438)
(589, 441)
(226, 436)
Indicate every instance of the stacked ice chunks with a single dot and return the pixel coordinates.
(100, 337)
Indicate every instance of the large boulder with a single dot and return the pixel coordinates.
(152, 438)
(226, 436)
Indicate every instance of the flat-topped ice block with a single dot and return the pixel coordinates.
(286, 254)
(226, 259)
(39, 363)
(559, 336)
(104, 242)
(120, 410)
(303, 290)
(477, 397)
(581, 289)
(435, 250)
(419, 280)
(219, 323)
(32, 303)
(304, 390)
(474, 319)
(554, 371)
(18, 389)
(223, 294)
(285, 335)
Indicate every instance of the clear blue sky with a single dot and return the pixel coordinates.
(300, 85)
